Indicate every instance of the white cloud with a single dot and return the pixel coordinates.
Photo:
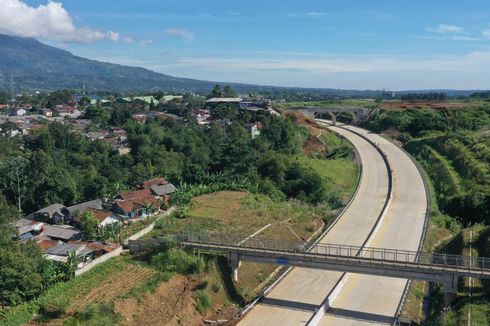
(445, 28)
(178, 32)
(314, 13)
(146, 42)
(486, 33)
(48, 22)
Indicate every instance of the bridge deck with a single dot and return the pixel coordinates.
(375, 261)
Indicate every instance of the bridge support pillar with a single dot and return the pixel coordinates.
(234, 262)
(355, 118)
(333, 115)
(450, 288)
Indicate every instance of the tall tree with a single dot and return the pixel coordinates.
(14, 178)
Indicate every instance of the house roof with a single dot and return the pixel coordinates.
(63, 249)
(24, 225)
(100, 215)
(133, 204)
(126, 206)
(80, 208)
(52, 209)
(165, 189)
(157, 181)
(135, 194)
(63, 232)
(224, 100)
(46, 244)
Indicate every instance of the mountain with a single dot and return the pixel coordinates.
(36, 66)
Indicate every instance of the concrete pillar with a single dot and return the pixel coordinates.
(449, 298)
(355, 118)
(234, 262)
(450, 288)
(333, 115)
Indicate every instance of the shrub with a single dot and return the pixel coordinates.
(94, 315)
(53, 309)
(178, 261)
(216, 287)
(203, 302)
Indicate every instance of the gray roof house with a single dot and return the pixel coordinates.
(28, 228)
(61, 251)
(54, 214)
(161, 190)
(76, 210)
(62, 232)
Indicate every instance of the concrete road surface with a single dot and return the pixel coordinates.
(294, 300)
(368, 300)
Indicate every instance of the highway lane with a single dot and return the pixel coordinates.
(294, 300)
(368, 300)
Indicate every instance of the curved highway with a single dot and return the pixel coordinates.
(294, 300)
(368, 300)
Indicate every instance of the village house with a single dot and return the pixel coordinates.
(61, 232)
(254, 129)
(138, 207)
(141, 118)
(17, 112)
(135, 204)
(159, 187)
(121, 149)
(28, 229)
(67, 111)
(53, 214)
(104, 217)
(47, 112)
(61, 251)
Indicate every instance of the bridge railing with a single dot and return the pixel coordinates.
(378, 254)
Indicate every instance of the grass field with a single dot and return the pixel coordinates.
(239, 213)
(338, 175)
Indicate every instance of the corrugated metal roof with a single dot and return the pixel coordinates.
(63, 232)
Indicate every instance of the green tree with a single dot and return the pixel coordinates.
(216, 92)
(229, 92)
(89, 225)
(120, 116)
(59, 97)
(14, 178)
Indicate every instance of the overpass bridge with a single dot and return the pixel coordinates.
(358, 113)
(432, 267)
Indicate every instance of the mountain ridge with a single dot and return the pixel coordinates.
(34, 65)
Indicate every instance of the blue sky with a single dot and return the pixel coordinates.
(362, 44)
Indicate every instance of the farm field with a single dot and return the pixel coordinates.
(104, 283)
